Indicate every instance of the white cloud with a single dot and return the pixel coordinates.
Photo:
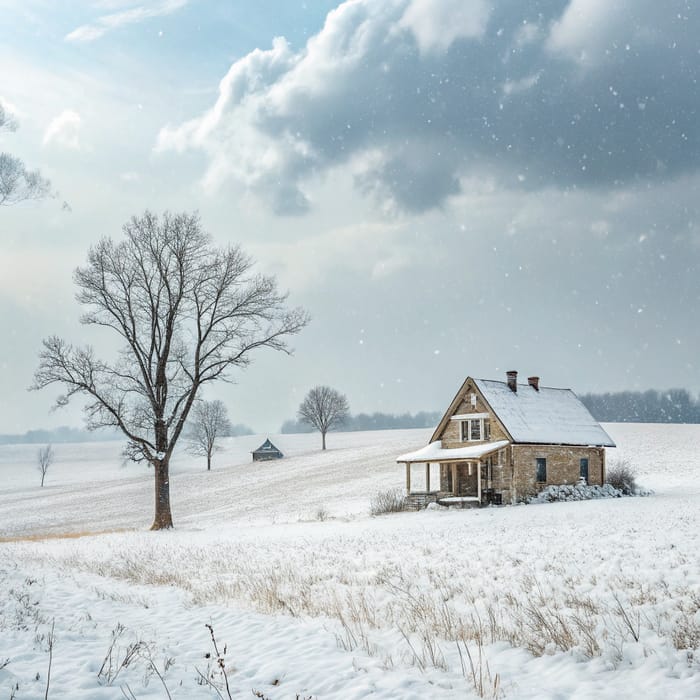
(257, 132)
(588, 31)
(582, 28)
(436, 24)
(115, 20)
(64, 130)
(513, 86)
(370, 249)
(373, 93)
(240, 149)
(529, 33)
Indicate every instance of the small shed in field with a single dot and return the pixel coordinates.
(266, 451)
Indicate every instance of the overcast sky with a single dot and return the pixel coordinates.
(450, 187)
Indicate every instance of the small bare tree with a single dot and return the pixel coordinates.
(44, 460)
(186, 314)
(323, 408)
(16, 182)
(208, 423)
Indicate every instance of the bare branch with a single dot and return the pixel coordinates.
(7, 121)
(18, 184)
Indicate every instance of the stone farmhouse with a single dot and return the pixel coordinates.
(499, 442)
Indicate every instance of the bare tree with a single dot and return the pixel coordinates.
(208, 423)
(323, 408)
(16, 182)
(187, 313)
(44, 460)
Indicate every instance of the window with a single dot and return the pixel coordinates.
(584, 469)
(541, 464)
(475, 429)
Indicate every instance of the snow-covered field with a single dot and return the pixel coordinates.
(311, 597)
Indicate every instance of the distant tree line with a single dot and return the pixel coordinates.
(672, 406)
(58, 435)
(373, 421)
(67, 434)
(238, 429)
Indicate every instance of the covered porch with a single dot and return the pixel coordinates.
(457, 476)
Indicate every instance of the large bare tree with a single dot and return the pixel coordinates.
(208, 423)
(186, 313)
(16, 182)
(323, 408)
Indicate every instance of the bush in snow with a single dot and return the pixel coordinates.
(391, 501)
(621, 475)
(321, 514)
(575, 492)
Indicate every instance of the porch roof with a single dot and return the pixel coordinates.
(434, 452)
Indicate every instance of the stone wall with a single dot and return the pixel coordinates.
(563, 466)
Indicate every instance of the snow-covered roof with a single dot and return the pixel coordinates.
(267, 446)
(434, 452)
(547, 416)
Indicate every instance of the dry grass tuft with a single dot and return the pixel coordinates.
(391, 501)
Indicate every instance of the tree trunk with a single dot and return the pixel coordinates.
(323, 439)
(163, 518)
(43, 475)
(208, 461)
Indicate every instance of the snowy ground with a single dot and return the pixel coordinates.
(312, 597)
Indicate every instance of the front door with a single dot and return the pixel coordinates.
(466, 479)
(584, 469)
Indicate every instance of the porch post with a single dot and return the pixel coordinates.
(454, 478)
(478, 481)
(427, 477)
(602, 466)
(408, 477)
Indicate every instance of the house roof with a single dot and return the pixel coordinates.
(267, 447)
(544, 416)
(434, 452)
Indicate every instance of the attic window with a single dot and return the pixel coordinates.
(475, 430)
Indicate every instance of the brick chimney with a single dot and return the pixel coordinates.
(512, 381)
(534, 382)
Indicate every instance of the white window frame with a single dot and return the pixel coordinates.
(466, 426)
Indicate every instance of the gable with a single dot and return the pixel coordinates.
(468, 400)
(266, 447)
